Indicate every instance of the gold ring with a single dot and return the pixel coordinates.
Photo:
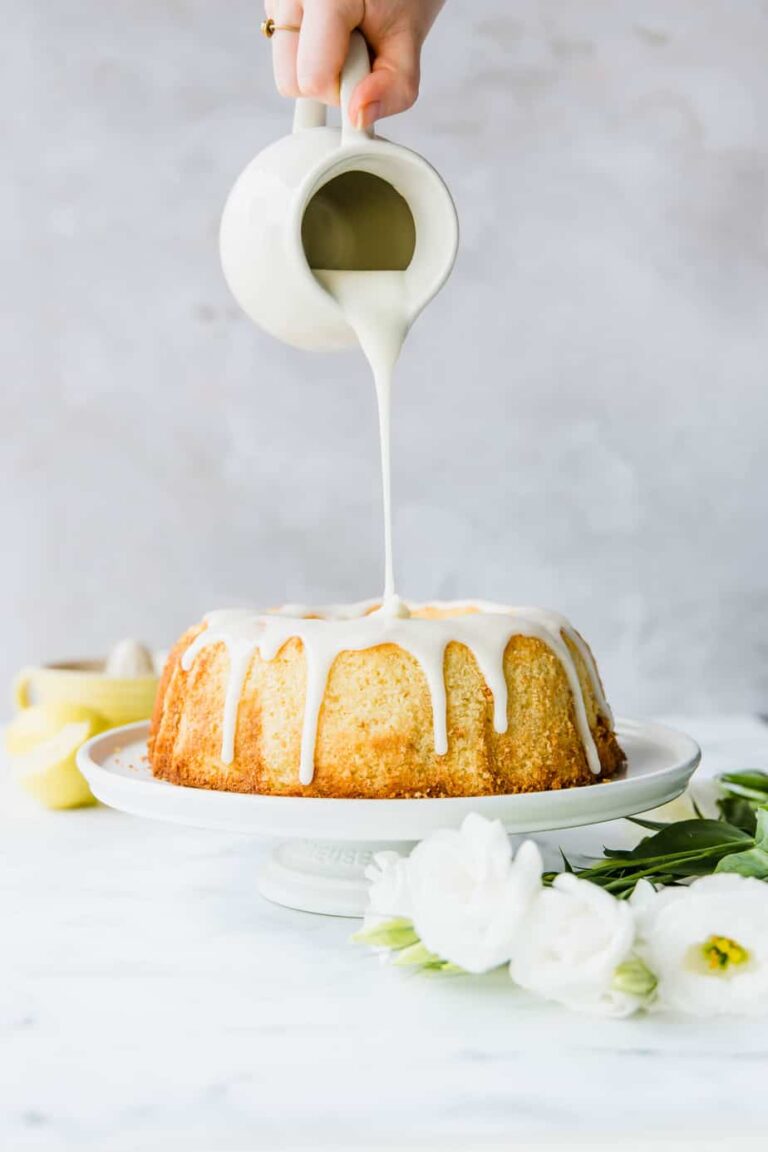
(268, 28)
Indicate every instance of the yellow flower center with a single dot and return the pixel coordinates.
(720, 952)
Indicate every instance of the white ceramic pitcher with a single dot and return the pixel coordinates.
(337, 196)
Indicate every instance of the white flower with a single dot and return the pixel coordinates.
(468, 897)
(576, 949)
(388, 895)
(707, 944)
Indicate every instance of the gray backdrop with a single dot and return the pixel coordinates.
(580, 417)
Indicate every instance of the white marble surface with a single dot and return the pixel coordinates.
(581, 418)
(150, 999)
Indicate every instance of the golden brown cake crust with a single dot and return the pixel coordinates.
(375, 732)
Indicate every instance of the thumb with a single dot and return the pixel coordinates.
(393, 84)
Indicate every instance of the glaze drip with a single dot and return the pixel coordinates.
(485, 630)
(375, 305)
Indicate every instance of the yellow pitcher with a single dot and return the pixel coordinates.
(120, 700)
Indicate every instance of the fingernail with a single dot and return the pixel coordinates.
(368, 114)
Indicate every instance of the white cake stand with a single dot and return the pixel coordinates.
(320, 867)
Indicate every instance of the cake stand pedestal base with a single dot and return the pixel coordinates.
(325, 876)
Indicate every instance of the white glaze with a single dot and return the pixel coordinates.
(485, 633)
(375, 305)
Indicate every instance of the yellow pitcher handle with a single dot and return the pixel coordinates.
(21, 688)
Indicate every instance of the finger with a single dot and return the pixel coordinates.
(323, 47)
(393, 84)
(284, 46)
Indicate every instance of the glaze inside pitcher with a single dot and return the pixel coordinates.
(358, 222)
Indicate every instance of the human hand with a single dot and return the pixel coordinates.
(309, 63)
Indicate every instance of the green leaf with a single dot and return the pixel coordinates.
(394, 934)
(682, 837)
(740, 783)
(753, 862)
(442, 968)
(761, 828)
(736, 842)
(654, 825)
(751, 794)
(739, 812)
(567, 866)
(419, 956)
(416, 955)
(751, 786)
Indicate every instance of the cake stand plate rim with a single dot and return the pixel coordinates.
(661, 761)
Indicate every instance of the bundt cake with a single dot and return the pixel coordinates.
(444, 700)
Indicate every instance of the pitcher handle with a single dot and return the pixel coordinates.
(356, 67)
(310, 113)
